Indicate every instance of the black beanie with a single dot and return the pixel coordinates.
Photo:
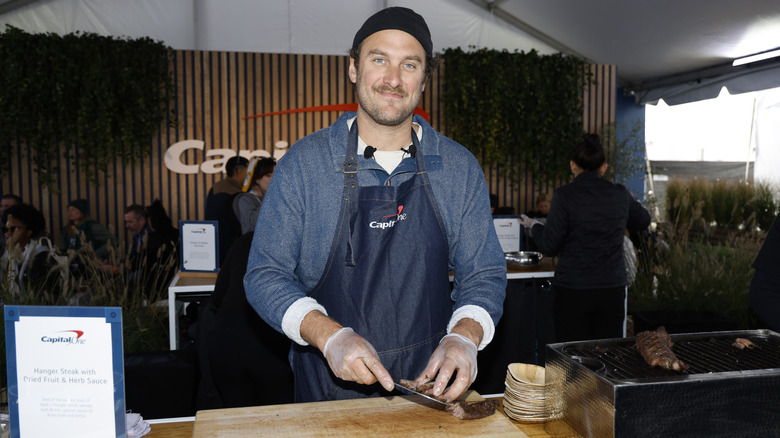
(397, 18)
(81, 204)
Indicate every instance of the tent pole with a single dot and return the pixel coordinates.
(750, 141)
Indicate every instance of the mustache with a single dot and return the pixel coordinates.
(388, 89)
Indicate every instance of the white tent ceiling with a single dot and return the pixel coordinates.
(671, 49)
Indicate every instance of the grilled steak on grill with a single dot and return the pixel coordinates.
(460, 409)
(743, 343)
(655, 346)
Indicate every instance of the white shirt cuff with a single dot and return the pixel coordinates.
(477, 314)
(293, 317)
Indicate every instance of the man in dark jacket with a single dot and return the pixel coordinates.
(219, 203)
(585, 228)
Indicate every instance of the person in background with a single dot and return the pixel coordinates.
(136, 221)
(219, 203)
(493, 203)
(542, 207)
(765, 285)
(540, 214)
(246, 205)
(236, 169)
(7, 201)
(504, 210)
(585, 228)
(161, 251)
(242, 360)
(27, 262)
(361, 225)
(94, 232)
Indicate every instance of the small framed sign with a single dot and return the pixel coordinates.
(199, 241)
(65, 371)
(509, 232)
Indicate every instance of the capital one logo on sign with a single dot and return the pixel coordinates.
(174, 154)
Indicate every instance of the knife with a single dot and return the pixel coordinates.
(412, 391)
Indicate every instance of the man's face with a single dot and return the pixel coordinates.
(544, 207)
(390, 78)
(6, 204)
(135, 225)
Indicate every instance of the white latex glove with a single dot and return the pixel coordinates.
(353, 358)
(455, 354)
(527, 221)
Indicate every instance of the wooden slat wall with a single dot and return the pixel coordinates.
(215, 91)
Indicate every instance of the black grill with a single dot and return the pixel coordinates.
(608, 390)
(704, 354)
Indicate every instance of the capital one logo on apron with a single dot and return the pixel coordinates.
(390, 220)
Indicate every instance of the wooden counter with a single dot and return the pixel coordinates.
(184, 428)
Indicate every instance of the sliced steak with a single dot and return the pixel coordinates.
(472, 410)
(461, 409)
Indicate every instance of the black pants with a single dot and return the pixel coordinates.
(584, 314)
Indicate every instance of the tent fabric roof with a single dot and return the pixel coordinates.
(678, 51)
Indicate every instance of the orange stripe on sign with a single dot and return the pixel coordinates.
(336, 107)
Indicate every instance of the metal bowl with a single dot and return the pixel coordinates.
(524, 258)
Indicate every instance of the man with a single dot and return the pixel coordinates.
(6, 201)
(219, 203)
(236, 168)
(358, 241)
(137, 222)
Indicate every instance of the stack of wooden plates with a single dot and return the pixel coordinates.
(527, 398)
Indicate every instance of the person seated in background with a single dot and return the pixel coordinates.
(219, 203)
(136, 221)
(160, 255)
(28, 262)
(765, 286)
(164, 237)
(542, 207)
(247, 205)
(94, 232)
(7, 201)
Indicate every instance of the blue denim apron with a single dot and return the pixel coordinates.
(386, 277)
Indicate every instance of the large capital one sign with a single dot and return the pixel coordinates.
(215, 158)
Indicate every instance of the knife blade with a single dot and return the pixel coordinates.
(412, 391)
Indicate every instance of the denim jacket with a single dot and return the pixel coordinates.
(296, 225)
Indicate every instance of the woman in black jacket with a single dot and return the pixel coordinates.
(585, 227)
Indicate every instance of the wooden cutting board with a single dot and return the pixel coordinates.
(397, 416)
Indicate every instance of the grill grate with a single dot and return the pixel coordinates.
(703, 354)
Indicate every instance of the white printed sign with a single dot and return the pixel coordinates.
(510, 233)
(65, 377)
(199, 245)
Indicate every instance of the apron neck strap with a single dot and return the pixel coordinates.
(350, 165)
